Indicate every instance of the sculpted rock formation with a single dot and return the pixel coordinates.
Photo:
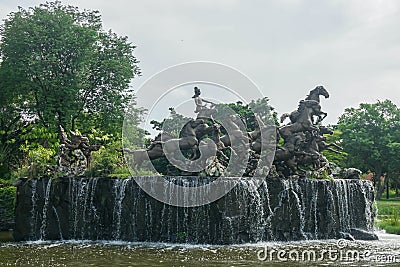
(75, 154)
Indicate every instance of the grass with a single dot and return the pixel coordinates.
(388, 207)
(389, 215)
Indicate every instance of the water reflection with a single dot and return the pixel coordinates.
(385, 252)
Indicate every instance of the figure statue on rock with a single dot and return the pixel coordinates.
(75, 154)
(202, 110)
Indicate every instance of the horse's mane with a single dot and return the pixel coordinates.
(301, 106)
(312, 92)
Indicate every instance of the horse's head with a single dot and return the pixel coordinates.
(195, 123)
(325, 130)
(322, 91)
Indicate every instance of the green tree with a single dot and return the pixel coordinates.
(339, 159)
(63, 65)
(58, 66)
(370, 136)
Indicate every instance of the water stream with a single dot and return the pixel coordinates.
(117, 209)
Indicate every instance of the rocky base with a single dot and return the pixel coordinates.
(116, 209)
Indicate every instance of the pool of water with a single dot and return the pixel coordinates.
(385, 252)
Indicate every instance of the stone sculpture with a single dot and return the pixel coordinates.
(202, 110)
(75, 154)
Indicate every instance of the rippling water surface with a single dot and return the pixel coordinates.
(385, 252)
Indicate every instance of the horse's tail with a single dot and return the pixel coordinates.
(284, 116)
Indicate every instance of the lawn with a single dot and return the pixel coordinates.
(389, 215)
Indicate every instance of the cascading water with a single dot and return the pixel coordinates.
(33, 209)
(58, 222)
(119, 189)
(45, 208)
(118, 209)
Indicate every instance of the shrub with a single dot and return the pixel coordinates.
(7, 198)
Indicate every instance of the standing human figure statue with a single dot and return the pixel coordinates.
(202, 109)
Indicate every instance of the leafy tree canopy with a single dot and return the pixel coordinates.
(60, 63)
(58, 66)
(371, 137)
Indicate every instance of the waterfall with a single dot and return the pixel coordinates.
(118, 209)
(314, 209)
(33, 209)
(58, 222)
(119, 190)
(369, 205)
(342, 196)
(45, 207)
(84, 214)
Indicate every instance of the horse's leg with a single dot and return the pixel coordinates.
(335, 146)
(195, 153)
(333, 150)
(321, 116)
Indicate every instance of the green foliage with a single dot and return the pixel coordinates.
(391, 224)
(371, 138)
(368, 134)
(387, 207)
(389, 228)
(60, 67)
(260, 106)
(108, 162)
(64, 64)
(338, 159)
(171, 124)
(7, 197)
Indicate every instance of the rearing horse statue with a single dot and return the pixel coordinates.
(316, 92)
(314, 95)
(307, 108)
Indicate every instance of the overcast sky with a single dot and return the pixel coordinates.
(286, 47)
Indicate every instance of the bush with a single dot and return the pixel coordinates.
(108, 162)
(7, 198)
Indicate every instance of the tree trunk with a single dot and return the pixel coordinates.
(387, 186)
(379, 187)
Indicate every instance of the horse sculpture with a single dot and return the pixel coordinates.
(313, 95)
(307, 108)
(236, 135)
(187, 140)
(137, 157)
(323, 145)
(261, 137)
(316, 92)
